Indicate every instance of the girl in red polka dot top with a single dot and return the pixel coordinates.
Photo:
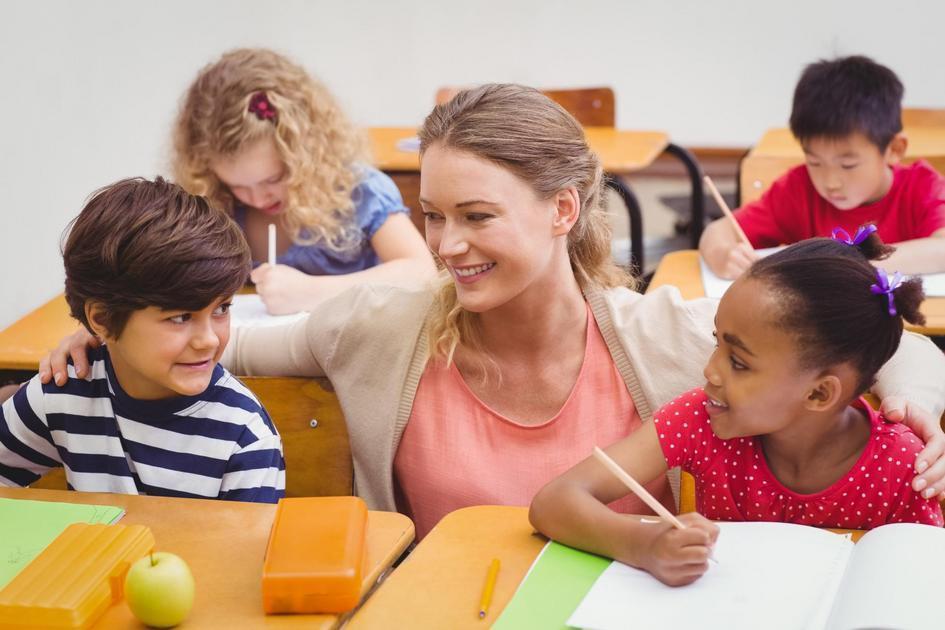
(779, 432)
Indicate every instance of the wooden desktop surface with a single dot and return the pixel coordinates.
(224, 543)
(440, 582)
(25, 342)
(620, 151)
(924, 142)
(681, 269)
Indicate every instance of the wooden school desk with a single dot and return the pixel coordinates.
(440, 582)
(778, 151)
(621, 152)
(224, 543)
(681, 269)
(25, 342)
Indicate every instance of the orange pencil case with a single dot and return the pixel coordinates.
(74, 580)
(315, 556)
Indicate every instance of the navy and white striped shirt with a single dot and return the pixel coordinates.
(218, 444)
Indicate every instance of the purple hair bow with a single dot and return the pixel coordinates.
(886, 286)
(862, 233)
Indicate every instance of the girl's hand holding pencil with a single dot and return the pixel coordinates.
(679, 547)
(676, 556)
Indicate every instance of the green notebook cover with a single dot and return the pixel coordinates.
(555, 585)
(27, 527)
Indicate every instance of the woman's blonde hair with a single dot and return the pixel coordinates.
(522, 130)
(317, 143)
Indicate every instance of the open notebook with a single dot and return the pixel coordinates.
(714, 286)
(248, 310)
(781, 576)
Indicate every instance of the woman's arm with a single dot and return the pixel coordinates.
(406, 261)
(572, 509)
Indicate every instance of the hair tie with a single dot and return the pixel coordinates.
(862, 233)
(885, 286)
(259, 104)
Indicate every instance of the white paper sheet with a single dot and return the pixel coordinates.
(715, 286)
(248, 310)
(768, 575)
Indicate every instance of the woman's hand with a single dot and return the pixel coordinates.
(930, 463)
(678, 557)
(283, 289)
(53, 365)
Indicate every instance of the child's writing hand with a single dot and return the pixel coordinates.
(678, 557)
(53, 365)
(739, 259)
(281, 287)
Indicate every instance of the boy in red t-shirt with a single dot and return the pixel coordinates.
(847, 117)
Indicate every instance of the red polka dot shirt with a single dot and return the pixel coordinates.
(734, 483)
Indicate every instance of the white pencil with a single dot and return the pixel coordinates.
(739, 232)
(637, 489)
(272, 243)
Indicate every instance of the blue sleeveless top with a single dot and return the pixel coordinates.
(375, 198)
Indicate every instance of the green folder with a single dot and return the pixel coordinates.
(27, 527)
(555, 585)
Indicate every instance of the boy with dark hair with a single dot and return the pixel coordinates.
(847, 117)
(150, 271)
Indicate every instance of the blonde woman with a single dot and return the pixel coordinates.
(531, 349)
(261, 138)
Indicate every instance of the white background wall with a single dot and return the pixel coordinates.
(89, 89)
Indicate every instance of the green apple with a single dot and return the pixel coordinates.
(160, 589)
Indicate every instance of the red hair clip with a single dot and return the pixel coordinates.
(259, 104)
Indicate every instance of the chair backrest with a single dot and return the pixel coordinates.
(317, 455)
(592, 107)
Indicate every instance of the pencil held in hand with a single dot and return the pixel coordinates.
(272, 243)
(739, 232)
(637, 488)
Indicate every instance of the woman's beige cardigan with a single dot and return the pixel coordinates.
(371, 343)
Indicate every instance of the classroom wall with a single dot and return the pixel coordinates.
(90, 88)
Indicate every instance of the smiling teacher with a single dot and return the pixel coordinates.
(531, 349)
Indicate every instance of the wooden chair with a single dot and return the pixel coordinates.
(592, 107)
(317, 455)
(687, 484)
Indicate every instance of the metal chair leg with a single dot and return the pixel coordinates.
(697, 206)
(636, 221)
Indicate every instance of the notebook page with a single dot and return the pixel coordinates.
(248, 310)
(769, 575)
(714, 286)
(934, 284)
(893, 580)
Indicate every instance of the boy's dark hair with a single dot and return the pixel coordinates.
(823, 287)
(139, 243)
(838, 97)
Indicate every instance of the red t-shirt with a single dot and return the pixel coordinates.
(734, 483)
(792, 210)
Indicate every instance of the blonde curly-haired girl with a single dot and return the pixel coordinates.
(265, 141)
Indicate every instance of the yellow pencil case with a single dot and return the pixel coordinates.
(74, 580)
